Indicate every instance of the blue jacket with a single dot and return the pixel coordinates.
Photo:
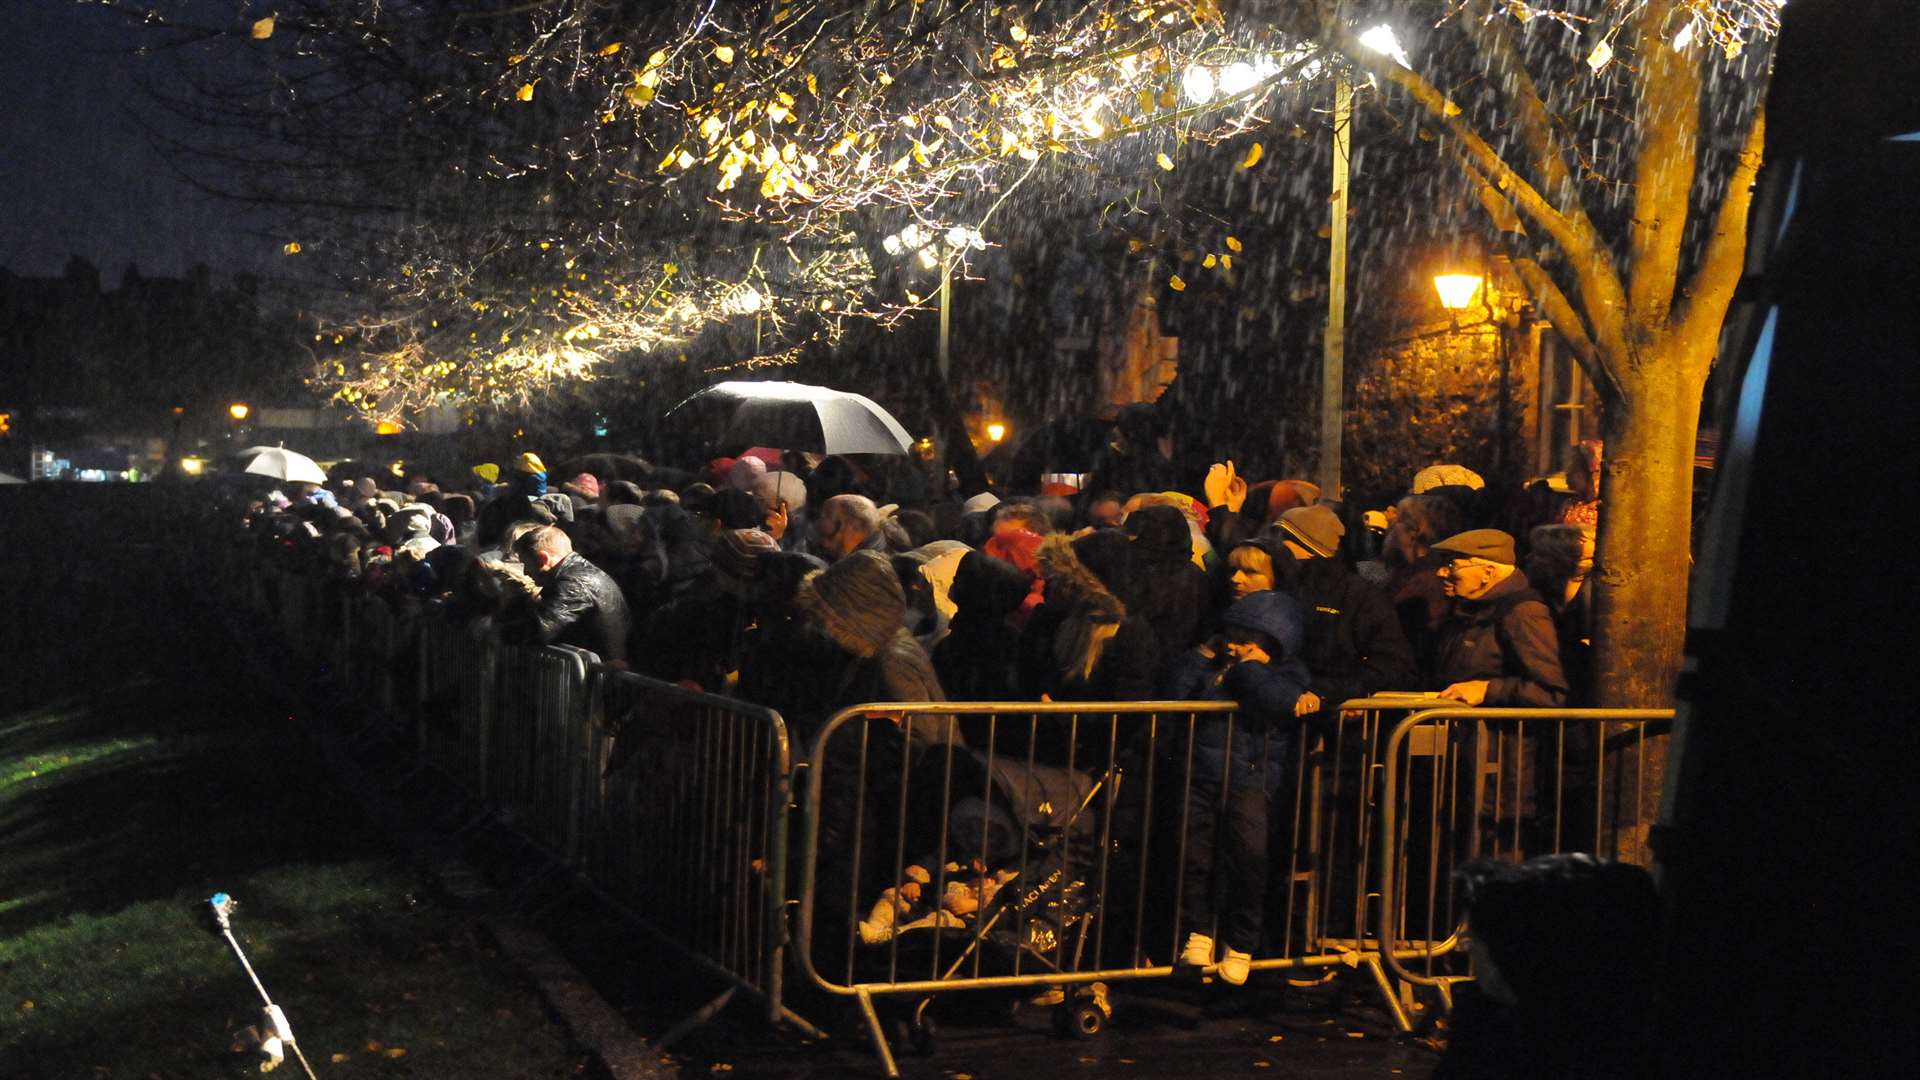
(1266, 693)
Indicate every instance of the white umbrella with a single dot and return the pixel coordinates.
(791, 415)
(283, 464)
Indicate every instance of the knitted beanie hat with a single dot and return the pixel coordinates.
(737, 552)
(530, 463)
(1317, 528)
(858, 602)
(585, 485)
(1434, 476)
(487, 471)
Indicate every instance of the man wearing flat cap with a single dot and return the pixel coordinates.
(1497, 645)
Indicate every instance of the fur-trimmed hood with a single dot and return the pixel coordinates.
(1081, 576)
(1072, 582)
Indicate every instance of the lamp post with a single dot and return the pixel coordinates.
(937, 251)
(1333, 357)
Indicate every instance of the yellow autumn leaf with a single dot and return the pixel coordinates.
(1226, 262)
(1163, 161)
(1210, 261)
(723, 53)
(263, 29)
(659, 57)
(1253, 156)
(813, 85)
(1017, 32)
(1145, 97)
(293, 248)
(525, 93)
(609, 50)
(1176, 283)
(1233, 245)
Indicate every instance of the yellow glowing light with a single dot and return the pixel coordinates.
(1456, 290)
(239, 410)
(193, 466)
(996, 432)
(387, 427)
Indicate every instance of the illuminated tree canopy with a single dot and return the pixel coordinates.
(511, 194)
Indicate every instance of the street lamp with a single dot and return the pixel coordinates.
(1456, 290)
(996, 432)
(239, 410)
(936, 251)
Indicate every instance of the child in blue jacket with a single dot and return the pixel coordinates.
(1238, 760)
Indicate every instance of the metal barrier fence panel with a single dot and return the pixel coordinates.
(1462, 783)
(1066, 845)
(537, 743)
(687, 814)
(449, 665)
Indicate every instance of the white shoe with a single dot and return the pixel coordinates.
(1198, 953)
(1235, 966)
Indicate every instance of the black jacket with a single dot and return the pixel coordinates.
(1355, 645)
(582, 606)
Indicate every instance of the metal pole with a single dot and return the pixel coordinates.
(946, 296)
(1333, 376)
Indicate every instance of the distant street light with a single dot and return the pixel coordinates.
(996, 432)
(239, 410)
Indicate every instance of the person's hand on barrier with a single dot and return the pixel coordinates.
(1467, 693)
(1307, 704)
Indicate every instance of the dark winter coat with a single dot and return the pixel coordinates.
(1507, 638)
(1251, 749)
(581, 606)
(979, 659)
(1085, 617)
(1355, 645)
(1173, 591)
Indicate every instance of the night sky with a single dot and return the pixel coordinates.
(77, 175)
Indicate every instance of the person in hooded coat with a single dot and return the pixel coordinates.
(1173, 590)
(858, 604)
(1086, 642)
(789, 665)
(1238, 761)
(979, 659)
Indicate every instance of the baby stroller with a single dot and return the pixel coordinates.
(1007, 889)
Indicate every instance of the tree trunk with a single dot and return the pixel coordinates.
(1643, 565)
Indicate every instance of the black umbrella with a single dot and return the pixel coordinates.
(791, 415)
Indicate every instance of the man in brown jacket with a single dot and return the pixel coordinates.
(1498, 645)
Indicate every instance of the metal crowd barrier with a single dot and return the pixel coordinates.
(1461, 783)
(675, 806)
(538, 742)
(451, 699)
(688, 797)
(1063, 831)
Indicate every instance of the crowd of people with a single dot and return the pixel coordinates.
(788, 580)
